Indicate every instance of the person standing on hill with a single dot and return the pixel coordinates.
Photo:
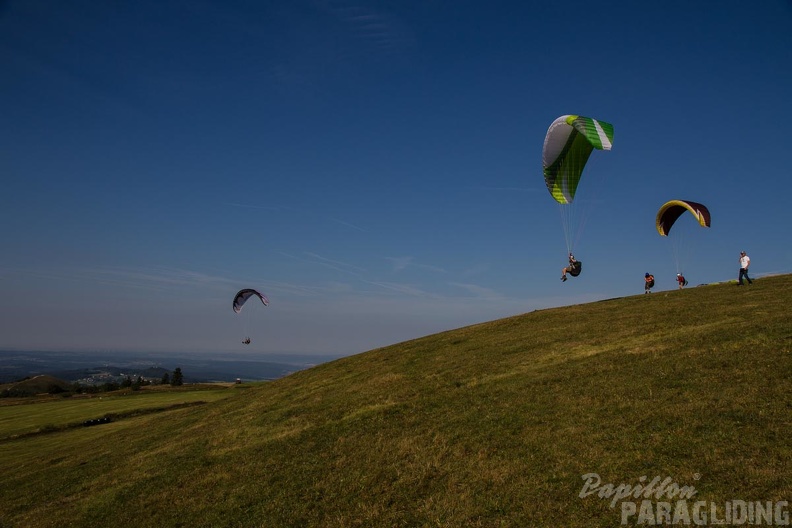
(745, 261)
(681, 280)
(648, 282)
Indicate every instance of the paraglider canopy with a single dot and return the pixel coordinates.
(567, 147)
(672, 210)
(243, 295)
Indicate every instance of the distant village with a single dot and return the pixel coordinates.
(103, 381)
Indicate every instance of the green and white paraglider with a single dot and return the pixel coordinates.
(569, 142)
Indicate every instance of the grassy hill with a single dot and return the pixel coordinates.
(25, 417)
(35, 385)
(489, 425)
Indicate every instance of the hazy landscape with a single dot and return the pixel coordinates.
(97, 367)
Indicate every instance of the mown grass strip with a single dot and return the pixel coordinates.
(110, 417)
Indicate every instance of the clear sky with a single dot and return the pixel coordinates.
(373, 167)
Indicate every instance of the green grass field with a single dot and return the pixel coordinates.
(489, 425)
(23, 416)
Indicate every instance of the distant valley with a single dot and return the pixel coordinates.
(97, 367)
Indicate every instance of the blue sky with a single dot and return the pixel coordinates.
(373, 167)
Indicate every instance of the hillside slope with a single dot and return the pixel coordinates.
(36, 385)
(489, 425)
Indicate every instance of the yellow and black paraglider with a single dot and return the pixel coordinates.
(667, 217)
(671, 211)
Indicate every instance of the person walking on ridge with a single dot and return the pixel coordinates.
(745, 261)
